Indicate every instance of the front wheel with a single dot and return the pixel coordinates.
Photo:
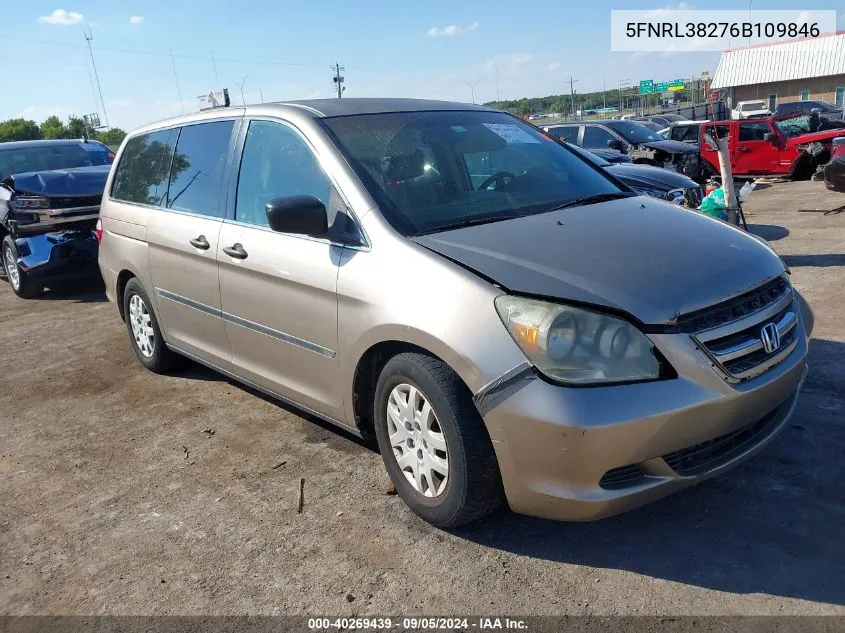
(434, 443)
(144, 331)
(18, 279)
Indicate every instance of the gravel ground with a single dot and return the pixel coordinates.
(117, 498)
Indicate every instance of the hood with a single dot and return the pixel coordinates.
(79, 181)
(645, 257)
(670, 147)
(611, 155)
(825, 135)
(648, 176)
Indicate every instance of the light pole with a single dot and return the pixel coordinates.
(472, 85)
(241, 86)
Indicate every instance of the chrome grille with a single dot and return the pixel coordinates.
(735, 345)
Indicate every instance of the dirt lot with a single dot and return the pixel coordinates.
(114, 500)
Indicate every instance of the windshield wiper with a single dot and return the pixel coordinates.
(460, 224)
(593, 199)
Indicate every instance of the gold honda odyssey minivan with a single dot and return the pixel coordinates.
(507, 319)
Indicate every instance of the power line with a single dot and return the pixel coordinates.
(130, 51)
(178, 89)
(88, 37)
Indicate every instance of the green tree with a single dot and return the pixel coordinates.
(52, 127)
(113, 137)
(76, 127)
(19, 130)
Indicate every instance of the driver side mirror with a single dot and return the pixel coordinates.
(616, 144)
(768, 136)
(300, 215)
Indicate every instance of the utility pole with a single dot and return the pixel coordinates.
(214, 66)
(261, 92)
(572, 83)
(498, 98)
(241, 86)
(338, 79)
(604, 95)
(88, 37)
(178, 89)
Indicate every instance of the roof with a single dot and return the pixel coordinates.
(345, 107)
(43, 143)
(782, 61)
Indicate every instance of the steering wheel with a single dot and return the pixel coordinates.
(498, 178)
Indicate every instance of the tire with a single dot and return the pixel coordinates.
(472, 485)
(18, 279)
(155, 355)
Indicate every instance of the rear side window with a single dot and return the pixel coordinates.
(141, 176)
(198, 169)
(596, 137)
(569, 134)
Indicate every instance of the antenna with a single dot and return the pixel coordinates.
(88, 37)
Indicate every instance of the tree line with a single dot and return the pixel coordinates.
(562, 103)
(53, 127)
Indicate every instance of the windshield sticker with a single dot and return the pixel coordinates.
(511, 133)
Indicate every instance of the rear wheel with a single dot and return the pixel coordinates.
(18, 279)
(434, 443)
(144, 331)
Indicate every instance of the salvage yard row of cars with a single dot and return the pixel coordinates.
(476, 295)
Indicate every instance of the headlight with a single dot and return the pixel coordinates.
(29, 202)
(578, 346)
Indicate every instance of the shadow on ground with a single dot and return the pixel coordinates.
(91, 292)
(769, 232)
(774, 525)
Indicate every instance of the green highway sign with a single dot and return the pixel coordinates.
(661, 87)
(676, 86)
(646, 86)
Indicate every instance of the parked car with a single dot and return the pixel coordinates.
(827, 110)
(640, 143)
(650, 181)
(654, 127)
(50, 194)
(663, 120)
(570, 134)
(769, 147)
(504, 317)
(751, 110)
(834, 171)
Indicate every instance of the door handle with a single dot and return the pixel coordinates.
(236, 250)
(742, 149)
(200, 243)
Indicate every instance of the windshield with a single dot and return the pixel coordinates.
(21, 160)
(634, 132)
(431, 171)
(751, 106)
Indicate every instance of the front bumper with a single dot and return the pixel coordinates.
(58, 257)
(579, 454)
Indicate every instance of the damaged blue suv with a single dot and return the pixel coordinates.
(50, 193)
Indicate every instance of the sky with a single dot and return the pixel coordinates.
(284, 50)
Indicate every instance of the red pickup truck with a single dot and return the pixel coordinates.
(764, 147)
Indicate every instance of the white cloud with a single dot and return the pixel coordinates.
(451, 30)
(121, 103)
(681, 6)
(136, 19)
(39, 113)
(62, 17)
(553, 66)
(509, 64)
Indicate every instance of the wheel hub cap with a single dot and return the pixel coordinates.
(418, 443)
(12, 268)
(142, 326)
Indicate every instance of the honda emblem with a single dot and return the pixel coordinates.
(770, 337)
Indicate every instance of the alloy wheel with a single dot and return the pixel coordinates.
(142, 326)
(417, 439)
